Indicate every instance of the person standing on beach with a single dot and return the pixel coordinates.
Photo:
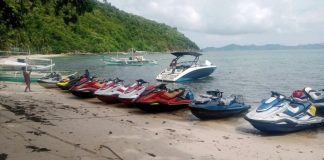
(27, 78)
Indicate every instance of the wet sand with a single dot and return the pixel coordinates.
(52, 124)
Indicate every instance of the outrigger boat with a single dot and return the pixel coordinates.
(186, 70)
(134, 60)
(10, 68)
(11, 65)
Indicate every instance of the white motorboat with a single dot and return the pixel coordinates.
(186, 70)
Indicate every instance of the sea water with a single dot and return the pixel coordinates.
(252, 74)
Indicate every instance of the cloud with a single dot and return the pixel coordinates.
(235, 18)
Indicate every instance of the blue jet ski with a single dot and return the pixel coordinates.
(212, 105)
(280, 114)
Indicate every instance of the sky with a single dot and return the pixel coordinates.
(215, 23)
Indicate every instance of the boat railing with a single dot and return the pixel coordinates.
(14, 52)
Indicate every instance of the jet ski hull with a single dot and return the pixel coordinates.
(84, 94)
(281, 126)
(109, 99)
(126, 101)
(206, 113)
(68, 85)
(156, 107)
(46, 84)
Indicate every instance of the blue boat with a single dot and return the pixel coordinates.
(186, 70)
(212, 105)
(280, 114)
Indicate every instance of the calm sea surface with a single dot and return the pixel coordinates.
(250, 73)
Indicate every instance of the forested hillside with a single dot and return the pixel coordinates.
(48, 27)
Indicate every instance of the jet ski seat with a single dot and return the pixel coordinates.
(296, 106)
(225, 101)
(173, 93)
(215, 93)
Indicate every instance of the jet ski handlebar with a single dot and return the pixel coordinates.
(273, 94)
(117, 80)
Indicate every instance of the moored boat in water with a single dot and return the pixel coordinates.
(186, 70)
(134, 60)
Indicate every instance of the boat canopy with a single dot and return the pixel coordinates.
(179, 54)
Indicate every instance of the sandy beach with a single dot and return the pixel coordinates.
(52, 124)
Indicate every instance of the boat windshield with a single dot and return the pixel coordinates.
(186, 62)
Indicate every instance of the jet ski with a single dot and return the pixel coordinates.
(212, 105)
(50, 80)
(110, 91)
(87, 89)
(63, 82)
(68, 83)
(162, 99)
(134, 90)
(280, 114)
(315, 97)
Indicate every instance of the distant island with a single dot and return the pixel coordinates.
(232, 47)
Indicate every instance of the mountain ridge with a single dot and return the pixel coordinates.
(232, 47)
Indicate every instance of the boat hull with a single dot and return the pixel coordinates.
(189, 74)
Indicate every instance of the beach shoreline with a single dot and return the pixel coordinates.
(53, 124)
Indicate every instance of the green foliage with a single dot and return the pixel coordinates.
(57, 26)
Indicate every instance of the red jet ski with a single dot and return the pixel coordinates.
(110, 91)
(133, 91)
(161, 99)
(86, 89)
